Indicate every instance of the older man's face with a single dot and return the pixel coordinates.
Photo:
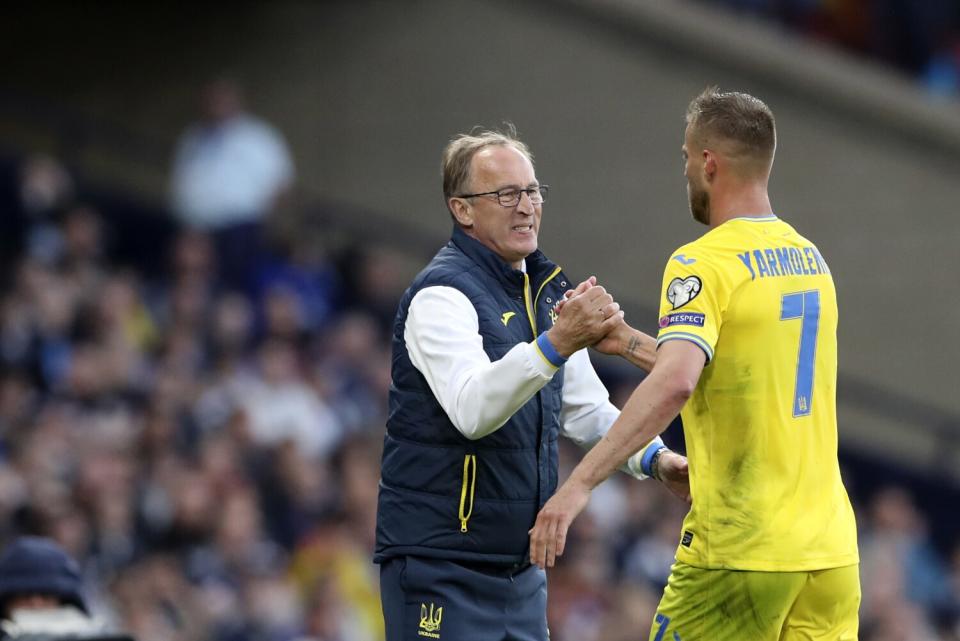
(511, 232)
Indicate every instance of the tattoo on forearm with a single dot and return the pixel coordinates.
(633, 347)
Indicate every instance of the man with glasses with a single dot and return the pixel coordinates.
(488, 369)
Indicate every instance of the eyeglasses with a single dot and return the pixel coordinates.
(511, 197)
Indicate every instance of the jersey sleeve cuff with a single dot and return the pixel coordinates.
(686, 336)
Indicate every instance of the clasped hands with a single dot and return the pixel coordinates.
(587, 316)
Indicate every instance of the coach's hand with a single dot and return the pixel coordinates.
(673, 472)
(570, 293)
(583, 318)
(549, 534)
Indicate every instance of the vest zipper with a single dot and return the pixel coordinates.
(469, 483)
(530, 305)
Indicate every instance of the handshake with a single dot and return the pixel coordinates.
(588, 316)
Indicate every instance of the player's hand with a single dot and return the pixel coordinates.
(549, 534)
(615, 342)
(675, 474)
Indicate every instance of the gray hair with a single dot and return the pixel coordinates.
(459, 152)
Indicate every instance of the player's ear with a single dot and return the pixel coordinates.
(709, 165)
(462, 211)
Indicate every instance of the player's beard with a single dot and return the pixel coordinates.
(699, 201)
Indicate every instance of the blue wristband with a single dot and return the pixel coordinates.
(549, 351)
(646, 461)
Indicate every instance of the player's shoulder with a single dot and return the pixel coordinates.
(684, 255)
(709, 249)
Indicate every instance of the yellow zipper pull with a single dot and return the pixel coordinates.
(469, 481)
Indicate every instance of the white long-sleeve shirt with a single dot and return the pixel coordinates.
(442, 334)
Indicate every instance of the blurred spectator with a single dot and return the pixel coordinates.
(903, 577)
(157, 602)
(38, 318)
(45, 186)
(45, 190)
(281, 407)
(374, 282)
(301, 279)
(649, 560)
(41, 594)
(36, 573)
(354, 371)
(632, 609)
(333, 570)
(229, 171)
(900, 621)
(581, 593)
(81, 256)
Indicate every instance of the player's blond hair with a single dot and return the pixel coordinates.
(739, 119)
(459, 152)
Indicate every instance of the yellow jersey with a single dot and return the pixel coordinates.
(761, 426)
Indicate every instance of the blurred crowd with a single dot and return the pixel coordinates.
(921, 38)
(204, 441)
(202, 433)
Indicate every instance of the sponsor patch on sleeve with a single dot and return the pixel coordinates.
(682, 318)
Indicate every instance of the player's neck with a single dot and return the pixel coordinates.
(745, 201)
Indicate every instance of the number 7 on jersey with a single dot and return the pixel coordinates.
(806, 307)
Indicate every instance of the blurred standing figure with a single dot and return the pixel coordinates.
(45, 189)
(229, 171)
(487, 373)
(748, 350)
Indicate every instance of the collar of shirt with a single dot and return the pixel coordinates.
(536, 265)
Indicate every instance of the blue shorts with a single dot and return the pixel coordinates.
(427, 599)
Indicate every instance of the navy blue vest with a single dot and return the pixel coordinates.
(441, 494)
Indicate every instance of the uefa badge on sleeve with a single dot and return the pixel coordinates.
(681, 291)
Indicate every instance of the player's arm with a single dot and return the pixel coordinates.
(655, 402)
(631, 344)
(587, 413)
